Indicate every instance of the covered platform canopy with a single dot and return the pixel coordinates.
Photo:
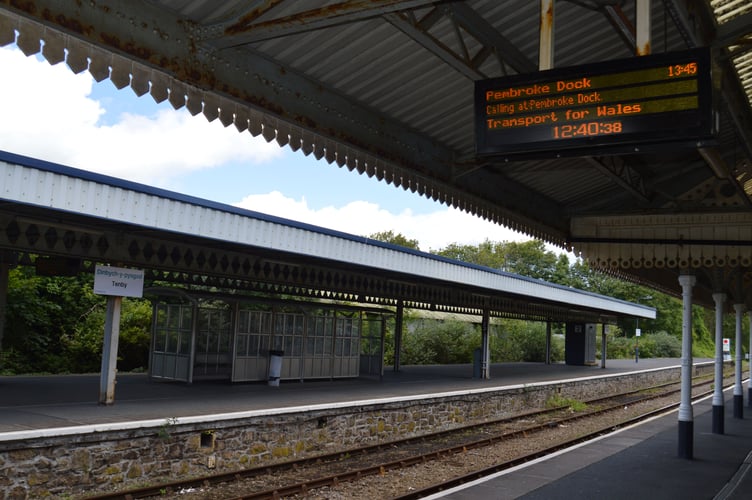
(63, 219)
(385, 88)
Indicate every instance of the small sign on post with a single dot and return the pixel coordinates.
(118, 281)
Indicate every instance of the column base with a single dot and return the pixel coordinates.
(718, 416)
(738, 406)
(686, 437)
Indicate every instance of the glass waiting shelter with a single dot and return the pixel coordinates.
(206, 337)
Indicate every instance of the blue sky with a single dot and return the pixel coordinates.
(52, 114)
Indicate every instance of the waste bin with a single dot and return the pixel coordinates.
(275, 367)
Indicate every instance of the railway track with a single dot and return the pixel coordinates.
(300, 477)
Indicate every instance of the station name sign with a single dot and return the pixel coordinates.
(615, 106)
(118, 281)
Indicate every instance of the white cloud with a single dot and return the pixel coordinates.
(54, 118)
(433, 231)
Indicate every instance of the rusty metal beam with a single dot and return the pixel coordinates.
(247, 29)
(623, 25)
(472, 22)
(431, 44)
(623, 174)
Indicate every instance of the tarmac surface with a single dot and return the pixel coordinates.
(637, 462)
(53, 402)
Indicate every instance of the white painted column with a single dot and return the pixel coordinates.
(109, 351)
(686, 417)
(642, 28)
(718, 409)
(738, 395)
(546, 38)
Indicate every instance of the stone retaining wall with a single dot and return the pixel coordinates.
(74, 465)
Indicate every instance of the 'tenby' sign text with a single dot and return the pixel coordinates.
(118, 281)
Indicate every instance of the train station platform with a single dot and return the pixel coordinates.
(638, 462)
(46, 403)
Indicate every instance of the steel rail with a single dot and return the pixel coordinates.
(355, 474)
(479, 474)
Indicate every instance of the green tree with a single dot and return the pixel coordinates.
(529, 258)
(440, 342)
(395, 239)
(516, 340)
(56, 325)
(41, 313)
(488, 254)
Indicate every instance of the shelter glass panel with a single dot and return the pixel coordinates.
(213, 357)
(173, 337)
(254, 331)
(371, 345)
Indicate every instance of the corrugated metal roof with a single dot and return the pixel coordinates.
(729, 11)
(61, 189)
(410, 66)
(385, 88)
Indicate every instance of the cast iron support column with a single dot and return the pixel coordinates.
(398, 335)
(485, 366)
(718, 411)
(604, 327)
(738, 394)
(686, 423)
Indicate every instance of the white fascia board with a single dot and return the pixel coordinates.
(71, 190)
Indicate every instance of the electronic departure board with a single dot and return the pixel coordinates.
(611, 107)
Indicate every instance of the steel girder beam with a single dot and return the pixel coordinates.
(487, 35)
(412, 29)
(460, 14)
(247, 29)
(622, 173)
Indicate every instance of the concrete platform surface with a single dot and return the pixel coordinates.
(65, 401)
(639, 462)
